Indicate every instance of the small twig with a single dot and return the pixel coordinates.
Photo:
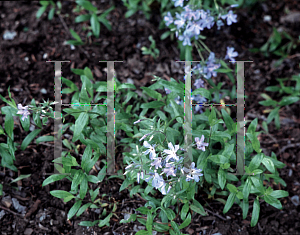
(33, 208)
(219, 216)
(11, 211)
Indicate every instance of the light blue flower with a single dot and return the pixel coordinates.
(192, 172)
(230, 17)
(180, 20)
(169, 170)
(150, 150)
(194, 27)
(200, 143)
(163, 189)
(178, 3)
(23, 110)
(186, 38)
(157, 163)
(230, 54)
(199, 83)
(168, 19)
(157, 181)
(172, 152)
(220, 24)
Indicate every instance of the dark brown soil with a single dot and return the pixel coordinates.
(24, 69)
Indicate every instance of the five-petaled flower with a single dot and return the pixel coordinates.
(23, 110)
(230, 54)
(169, 170)
(157, 163)
(171, 153)
(192, 172)
(150, 150)
(200, 143)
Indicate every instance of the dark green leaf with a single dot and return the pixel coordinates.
(255, 213)
(52, 179)
(74, 209)
(29, 138)
(95, 25)
(229, 202)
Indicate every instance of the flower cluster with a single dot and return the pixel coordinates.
(190, 23)
(169, 163)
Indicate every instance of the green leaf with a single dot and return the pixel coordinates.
(51, 13)
(44, 139)
(268, 102)
(83, 208)
(29, 138)
(88, 223)
(203, 92)
(149, 221)
(252, 126)
(165, 35)
(258, 184)
(87, 5)
(254, 141)
(78, 177)
(80, 123)
(74, 209)
(229, 202)
(273, 201)
(175, 227)
(186, 222)
(62, 194)
(198, 208)
(102, 173)
(232, 188)
(184, 210)
(255, 212)
(82, 18)
(130, 13)
(272, 88)
(83, 187)
(272, 114)
(125, 184)
(40, 11)
(269, 165)
(279, 194)
(105, 221)
(245, 208)
(221, 178)
(255, 162)
(75, 35)
(20, 178)
(9, 121)
(86, 158)
(153, 94)
(88, 73)
(95, 25)
(142, 232)
(246, 189)
(288, 100)
(153, 105)
(228, 121)
(176, 111)
(52, 179)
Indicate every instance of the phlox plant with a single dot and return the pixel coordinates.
(158, 160)
(155, 165)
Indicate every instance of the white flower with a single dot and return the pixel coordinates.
(172, 153)
(150, 150)
(200, 143)
(23, 110)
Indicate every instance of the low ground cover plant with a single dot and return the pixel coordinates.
(156, 155)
